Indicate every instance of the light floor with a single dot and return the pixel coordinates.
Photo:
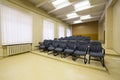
(30, 66)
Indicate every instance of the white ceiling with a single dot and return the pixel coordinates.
(96, 9)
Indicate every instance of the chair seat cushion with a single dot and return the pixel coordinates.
(58, 49)
(51, 48)
(42, 47)
(77, 52)
(96, 54)
(68, 50)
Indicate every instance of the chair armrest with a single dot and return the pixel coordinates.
(51, 46)
(88, 48)
(41, 43)
(103, 51)
(75, 47)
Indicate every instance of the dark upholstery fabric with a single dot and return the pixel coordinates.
(96, 51)
(96, 54)
(70, 47)
(61, 46)
(95, 47)
(47, 43)
(81, 48)
(42, 46)
(59, 49)
(51, 48)
(77, 52)
(53, 45)
(68, 50)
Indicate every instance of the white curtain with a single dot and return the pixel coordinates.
(68, 32)
(16, 26)
(61, 31)
(48, 30)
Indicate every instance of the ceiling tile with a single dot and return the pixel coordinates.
(95, 11)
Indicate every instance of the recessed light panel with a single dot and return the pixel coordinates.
(78, 21)
(60, 3)
(82, 5)
(72, 15)
(85, 17)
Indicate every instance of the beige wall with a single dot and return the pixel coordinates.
(37, 29)
(111, 22)
(116, 26)
(109, 28)
(106, 28)
(101, 29)
(38, 17)
(1, 51)
(86, 29)
(0, 43)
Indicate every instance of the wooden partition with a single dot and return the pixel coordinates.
(86, 29)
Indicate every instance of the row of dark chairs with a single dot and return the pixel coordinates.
(75, 49)
(82, 38)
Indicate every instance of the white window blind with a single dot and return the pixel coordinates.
(68, 32)
(48, 30)
(61, 31)
(16, 26)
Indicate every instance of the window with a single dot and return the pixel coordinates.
(16, 26)
(48, 30)
(68, 32)
(61, 31)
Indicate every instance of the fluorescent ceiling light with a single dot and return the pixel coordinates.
(57, 2)
(72, 15)
(82, 5)
(78, 21)
(60, 3)
(85, 17)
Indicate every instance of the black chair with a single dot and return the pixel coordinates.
(96, 51)
(71, 45)
(61, 47)
(45, 45)
(87, 39)
(42, 45)
(53, 45)
(81, 50)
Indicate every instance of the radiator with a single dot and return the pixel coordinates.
(15, 49)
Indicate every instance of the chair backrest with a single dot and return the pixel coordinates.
(44, 42)
(95, 46)
(87, 39)
(82, 46)
(61, 38)
(71, 45)
(62, 44)
(55, 43)
(47, 43)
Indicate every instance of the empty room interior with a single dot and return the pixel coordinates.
(59, 39)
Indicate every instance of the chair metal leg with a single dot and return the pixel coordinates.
(61, 55)
(64, 55)
(85, 60)
(73, 58)
(55, 54)
(89, 59)
(103, 62)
